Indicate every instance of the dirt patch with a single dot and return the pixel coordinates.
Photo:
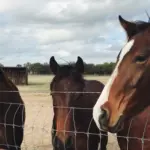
(39, 120)
(39, 114)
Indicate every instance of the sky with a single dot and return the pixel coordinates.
(34, 30)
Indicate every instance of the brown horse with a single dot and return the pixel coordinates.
(12, 115)
(126, 93)
(73, 126)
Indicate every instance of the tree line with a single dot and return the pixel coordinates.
(91, 69)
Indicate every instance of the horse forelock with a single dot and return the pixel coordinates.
(66, 71)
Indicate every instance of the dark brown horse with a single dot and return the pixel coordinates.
(125, 96)
(73, 126)
(12, 115)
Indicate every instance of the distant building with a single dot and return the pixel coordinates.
(18, 75)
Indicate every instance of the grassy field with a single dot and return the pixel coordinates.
(38, 82)
(39, 113)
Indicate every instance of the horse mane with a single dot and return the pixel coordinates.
(142, 25)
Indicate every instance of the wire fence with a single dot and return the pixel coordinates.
(38, 124)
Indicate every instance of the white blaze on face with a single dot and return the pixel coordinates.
(105, 93)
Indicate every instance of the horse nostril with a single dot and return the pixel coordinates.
(103, 118)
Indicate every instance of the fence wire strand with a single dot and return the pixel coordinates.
(50, 92)
(34, 127)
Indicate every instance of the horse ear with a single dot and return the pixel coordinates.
(129, 27)
(53, 65)
(79, 65)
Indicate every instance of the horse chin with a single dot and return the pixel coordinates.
(116, 129)
(118, 126)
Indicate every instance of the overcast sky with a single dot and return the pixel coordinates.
(34, 30)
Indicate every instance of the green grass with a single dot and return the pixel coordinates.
(42, 82)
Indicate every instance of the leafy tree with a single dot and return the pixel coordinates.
(99, 69)
(28, 66)
(19, 65)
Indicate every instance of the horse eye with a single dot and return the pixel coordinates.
(140, 59)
